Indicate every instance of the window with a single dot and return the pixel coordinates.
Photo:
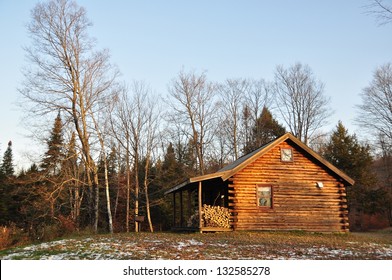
(264, 196)
(286, 155)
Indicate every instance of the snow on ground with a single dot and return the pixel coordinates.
(110, 248)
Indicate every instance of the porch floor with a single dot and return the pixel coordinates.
(202, 229)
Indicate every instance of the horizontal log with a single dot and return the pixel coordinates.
(303, 224)
(252, 209)
(313, 229)
(293, 195)
(299, 203)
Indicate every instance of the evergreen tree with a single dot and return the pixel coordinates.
(54, 156)
(170, 172)
(265, 129)
(345, 152)
(3, 199)
(171, 169)
(70, 165)
(7, 166)
(113, 163)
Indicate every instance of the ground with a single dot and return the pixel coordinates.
(216, 246)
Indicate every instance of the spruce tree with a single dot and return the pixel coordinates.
(70, 165)
(7, 166)
(54, 155)
(265, 129)
(345, 152)
(172, 170)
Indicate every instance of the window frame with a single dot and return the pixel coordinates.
(265, 207)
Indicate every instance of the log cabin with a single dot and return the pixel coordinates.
(283, 185)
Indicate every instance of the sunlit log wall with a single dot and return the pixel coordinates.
(297, 203)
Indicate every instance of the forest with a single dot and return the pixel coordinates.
(112, 147)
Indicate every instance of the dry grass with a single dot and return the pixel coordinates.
(195, 246)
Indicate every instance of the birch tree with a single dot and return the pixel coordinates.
(101, 131)
(122, 131)
(150, 140)
(66, 74)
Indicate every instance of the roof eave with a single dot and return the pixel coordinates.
(195, 180)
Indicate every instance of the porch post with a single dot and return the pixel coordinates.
(174, 209)
(200, 205)
(181, 211)
(189, 212)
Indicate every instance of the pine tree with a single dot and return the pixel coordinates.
(113, 163)
(265, 129)
(54, 156)
(7, 166)
(171, 168)
(170, 172)
(70, 165)
(345, 152)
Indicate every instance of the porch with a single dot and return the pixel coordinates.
(201, 205)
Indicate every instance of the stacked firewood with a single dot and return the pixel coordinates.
(216, 216)
(212, 216)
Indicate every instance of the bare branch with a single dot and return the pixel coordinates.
(300, 100)
(380, 10)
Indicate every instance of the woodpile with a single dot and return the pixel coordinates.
(213, 216)
(216, 216)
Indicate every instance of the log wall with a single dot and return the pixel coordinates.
(298, 204)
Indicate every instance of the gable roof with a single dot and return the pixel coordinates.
(232, 168)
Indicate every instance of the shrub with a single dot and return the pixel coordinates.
(12, 236)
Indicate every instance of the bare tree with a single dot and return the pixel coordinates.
(136, 122)
(150, 142)
(300, 100)
(375, 112)
(232, 93)
(241, 103)
(66, 74)
(135, 126)
(101, 127)
(380, 10)
(72, 170)
(258, 96)
(192, 102)
(121, 130)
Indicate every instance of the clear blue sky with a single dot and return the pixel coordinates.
(154, 40)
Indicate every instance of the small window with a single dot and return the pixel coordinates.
(264, 196)
(286, 155)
